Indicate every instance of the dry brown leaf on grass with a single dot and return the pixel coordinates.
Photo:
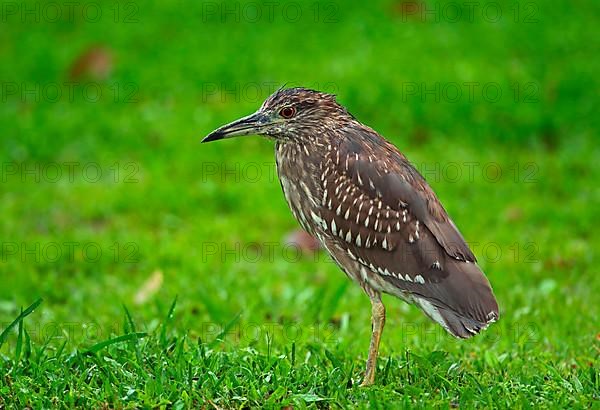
(95, 63)
(149, 288)
(302, 240)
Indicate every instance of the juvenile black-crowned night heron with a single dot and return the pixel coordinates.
(372, 211)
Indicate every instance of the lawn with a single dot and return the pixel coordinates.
(162, 265)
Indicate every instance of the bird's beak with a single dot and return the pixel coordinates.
(251, 125)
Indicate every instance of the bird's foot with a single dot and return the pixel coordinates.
(369, 378)
(366, 383)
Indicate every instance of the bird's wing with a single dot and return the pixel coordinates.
(387, 218)
(388, 176)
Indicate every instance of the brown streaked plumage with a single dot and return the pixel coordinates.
(372, 211)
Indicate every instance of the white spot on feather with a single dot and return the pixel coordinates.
(363, 274)
(318, 220)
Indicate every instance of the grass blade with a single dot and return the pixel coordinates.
(163, 330)
(27, 351)
(132, 329)
(225, 330)
(123, 338)
(19, 339)
(22, 316)
(129, 319)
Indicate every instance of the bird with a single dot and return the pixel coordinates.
(372, 211)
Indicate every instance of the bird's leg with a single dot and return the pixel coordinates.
(377, 321)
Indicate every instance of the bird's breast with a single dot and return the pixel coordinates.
(298, 174)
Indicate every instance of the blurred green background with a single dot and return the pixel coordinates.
(108, 199)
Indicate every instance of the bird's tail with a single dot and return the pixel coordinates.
(462, 326)
(464, 304)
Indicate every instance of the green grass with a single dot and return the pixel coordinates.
(254, 325)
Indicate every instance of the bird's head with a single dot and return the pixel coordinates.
(286, 115)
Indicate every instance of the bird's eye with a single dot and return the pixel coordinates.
(287, 112)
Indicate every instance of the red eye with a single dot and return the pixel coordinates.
(287, 112)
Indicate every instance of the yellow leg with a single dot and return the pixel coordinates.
(377, 321)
